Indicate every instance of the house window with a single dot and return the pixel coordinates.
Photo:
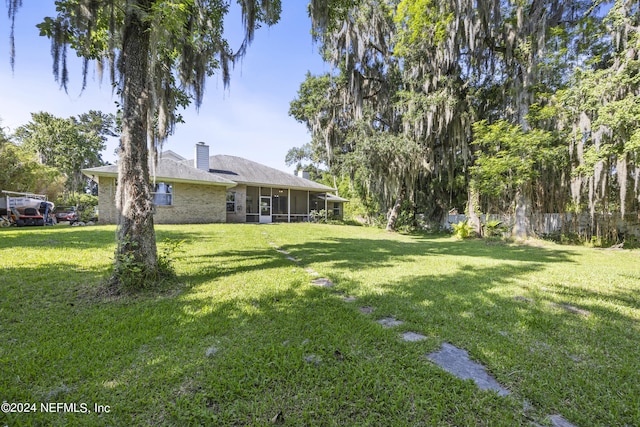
(336, 210)
(162, 194)
(231, 201)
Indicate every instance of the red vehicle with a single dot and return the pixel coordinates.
(66, 213)
(30, 216)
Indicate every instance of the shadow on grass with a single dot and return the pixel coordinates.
(349, 254)
(301, 351)
(352, 253)
(89, 237)
(191, 359)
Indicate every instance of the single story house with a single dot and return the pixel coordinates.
(221, 188)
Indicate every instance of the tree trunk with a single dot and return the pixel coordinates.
(136, 235)
(395, 211)
(473, 203)
(522, 226)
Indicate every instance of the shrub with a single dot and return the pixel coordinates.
(318, 216)
(631, 242)
(462, 230)
(494, 228)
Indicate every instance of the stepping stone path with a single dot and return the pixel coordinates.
(311, 271)
(413, 337)
(322, 282)
(390, 322)
(313, 358)
(560, 421)
(571, 309)
(293, 259)
(288, 255)
(456, 361)
(211, 351)
(450, 358)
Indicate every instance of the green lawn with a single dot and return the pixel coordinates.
(246, 337)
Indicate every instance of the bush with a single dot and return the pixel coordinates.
(462, 230)
(320, 216)
(631, 242)
(494, 228)
(564, 238)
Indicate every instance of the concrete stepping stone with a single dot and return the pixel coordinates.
(366, 309)
(291, 258)
(322, 282)
(313, 359)
(311, 271)
(571, 309)
(456, 361)
(390, 322)
(560, 421)
(349, 298)
(523, 299)
(413, 337)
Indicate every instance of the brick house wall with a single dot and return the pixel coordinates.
(107, 213)
(192, 204)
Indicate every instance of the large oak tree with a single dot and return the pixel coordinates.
(562, 77)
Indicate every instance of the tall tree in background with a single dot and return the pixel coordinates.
(600, 114)
(21, 171)
(563, 73)
(69, 144)
(353, 114)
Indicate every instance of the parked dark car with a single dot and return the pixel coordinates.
(66, 213)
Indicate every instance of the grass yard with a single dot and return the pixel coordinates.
(245, 339)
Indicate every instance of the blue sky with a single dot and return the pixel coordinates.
(249, 119)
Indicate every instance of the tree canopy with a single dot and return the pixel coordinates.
(21, 171)
(523, 107)
(68, 144)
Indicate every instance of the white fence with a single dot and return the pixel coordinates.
(551, 223)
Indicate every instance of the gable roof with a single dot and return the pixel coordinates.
(168, 154)
(244, 171)
(169, 170)
(227, 171)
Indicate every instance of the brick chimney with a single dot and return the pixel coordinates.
(201, 160)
